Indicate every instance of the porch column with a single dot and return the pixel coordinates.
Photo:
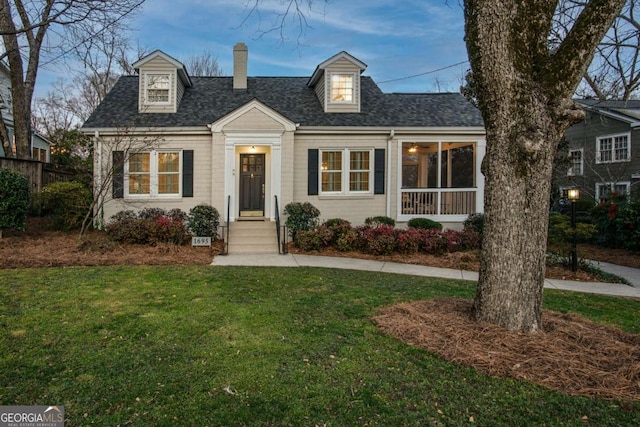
(481, 150)
(229, 179)
(276, 177)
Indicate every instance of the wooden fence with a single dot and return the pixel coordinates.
(38, 174)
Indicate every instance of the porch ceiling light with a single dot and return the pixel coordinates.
(573, 194)
(253, 149)
(413, 148)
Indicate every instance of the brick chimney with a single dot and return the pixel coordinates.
(240, 56)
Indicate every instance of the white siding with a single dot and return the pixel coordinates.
(353, 208)
(254, 120)
(160, 66)
(202, 177)
(342, 66)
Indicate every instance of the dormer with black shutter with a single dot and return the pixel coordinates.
(336, 83)
(163, 80)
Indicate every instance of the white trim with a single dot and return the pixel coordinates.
(354, 90)
(613, 136)
(480, 151)
(346, 171)
(570, 171)
(145, 88)
(611, 188)
(267, 143)
(153, 176)
(182, 70)
(218, 126)
(315, 77)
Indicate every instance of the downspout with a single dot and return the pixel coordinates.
(392, 133)
(98, 222)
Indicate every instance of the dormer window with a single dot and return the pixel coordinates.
(342, 86)
(157, 89)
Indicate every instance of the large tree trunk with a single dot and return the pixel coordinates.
(524, 93)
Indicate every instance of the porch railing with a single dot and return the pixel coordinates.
(281, 231)
(226, 228)
(438, 202)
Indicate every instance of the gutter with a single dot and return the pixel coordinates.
(388, 172)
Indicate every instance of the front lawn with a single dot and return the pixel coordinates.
(259, 346)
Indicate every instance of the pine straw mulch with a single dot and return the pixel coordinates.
(38, 247)
(573, 355)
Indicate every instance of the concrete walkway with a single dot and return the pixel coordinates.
(295, 260)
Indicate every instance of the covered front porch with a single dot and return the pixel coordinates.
(440, 179)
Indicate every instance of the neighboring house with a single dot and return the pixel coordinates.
(40, 146)
(604, 150)
(333, 139)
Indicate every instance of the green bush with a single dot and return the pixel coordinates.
(314, 240)
(148, 227)
(424, 224)
(14, 200)
(301, 216)
(561, 233)
(204, 221)
(618, 223)
(380, 220)
(65, 204)
(474, 222)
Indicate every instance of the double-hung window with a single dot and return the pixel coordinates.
(346, 171)
(605, 189)
(342, 88)
(157, 88)
(154, 174)
(575, 159)
(613, 148)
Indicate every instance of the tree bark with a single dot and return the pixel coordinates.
(524, 93)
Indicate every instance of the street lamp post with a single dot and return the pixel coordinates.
(573, 195)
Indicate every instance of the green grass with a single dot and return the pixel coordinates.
(258, 346)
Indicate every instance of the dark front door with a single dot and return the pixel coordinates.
(252, 185)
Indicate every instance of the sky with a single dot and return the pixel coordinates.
(396, 39)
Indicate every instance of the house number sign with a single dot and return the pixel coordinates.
(201, 241)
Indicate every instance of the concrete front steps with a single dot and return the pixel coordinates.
(253, 237)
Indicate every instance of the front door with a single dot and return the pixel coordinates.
(252, 185)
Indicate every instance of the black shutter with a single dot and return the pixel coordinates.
(187, 173)
(378, 171)
(312, 172)
(118, 174)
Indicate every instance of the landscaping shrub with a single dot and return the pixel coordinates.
(204, 221)
(301, 216)
(617, 222)
(409, 241)
(560, 233)
(464, 240)
(65, 204)
(474, 222)
(339, 227)
(380, 240)
(424, 223)
(314, 240)
(469, 239)
(14, 200)
(148, 227)
(383, 239)
(380, 220)
(151, 213)
(347, 241)
(433, 241)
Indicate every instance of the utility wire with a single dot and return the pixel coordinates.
(423, 74)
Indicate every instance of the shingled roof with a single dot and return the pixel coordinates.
(211, 98)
